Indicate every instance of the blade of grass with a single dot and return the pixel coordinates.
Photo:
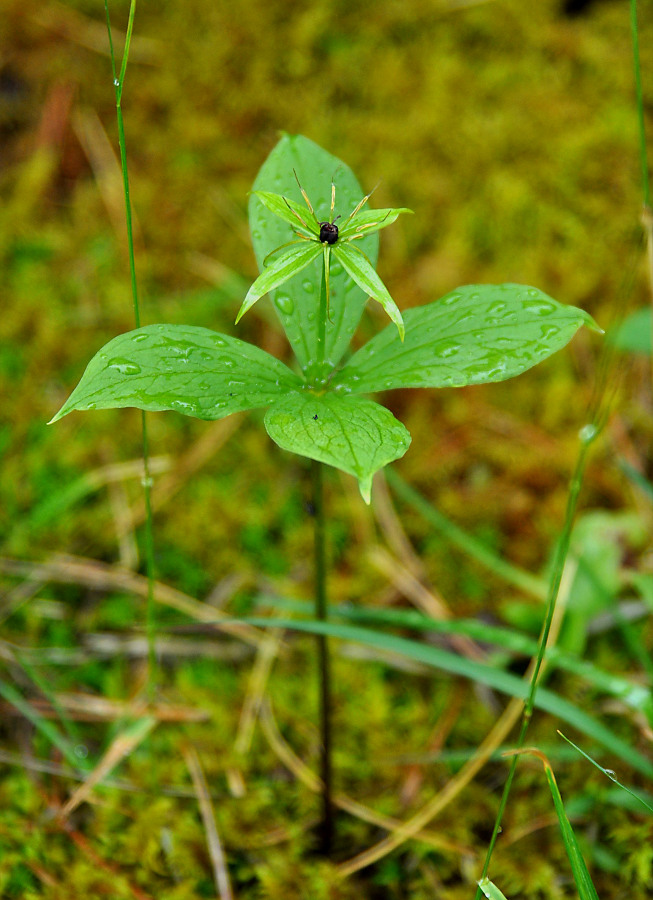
(608, 773)
(635, 696)
(9, 693)
(584, 883)
(476, 671)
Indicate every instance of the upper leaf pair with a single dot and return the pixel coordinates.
(326, 238)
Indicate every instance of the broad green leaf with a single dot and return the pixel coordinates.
(283, 207)
(368, 221)
(192, 370)
(350, 433)
(475, 334)
(366, 278)
(296, 302)
(634, 333)
(291, 261)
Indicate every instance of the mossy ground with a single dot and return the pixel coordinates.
(511, 132)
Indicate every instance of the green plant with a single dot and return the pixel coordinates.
(475, 334)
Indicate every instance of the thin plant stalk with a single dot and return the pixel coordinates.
(587, 436)
(324, 306)
(321, 614)
(118, 83)
(321, 603)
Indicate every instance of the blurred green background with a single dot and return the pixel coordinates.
(510, 130)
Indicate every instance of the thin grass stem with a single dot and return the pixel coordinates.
(588, 435)
(321, 613)
(118, 83)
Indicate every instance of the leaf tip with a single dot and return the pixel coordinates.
(365, 487)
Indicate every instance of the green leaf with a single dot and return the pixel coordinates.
(192, 370)
(357, 435)
(366, 278)
(476, 334)
(280, 270)
(296, 303)
(368, 221)
(283, 208)
(490, 890)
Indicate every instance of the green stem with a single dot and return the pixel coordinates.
(324, 308)
(321, 613)
(588, 435)
(118, 82)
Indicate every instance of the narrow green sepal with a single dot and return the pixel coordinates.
(361, 270)
(280, 270)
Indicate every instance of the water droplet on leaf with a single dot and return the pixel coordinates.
(285, 304)
(124, 366)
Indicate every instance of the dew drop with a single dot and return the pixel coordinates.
(308, 286)
(587, 433)
(285, 304)
(124, 366)
(539, 307)
(183, 405)
(549, 331)
(446, 348)
(137, 338)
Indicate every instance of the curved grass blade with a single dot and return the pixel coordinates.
(584, 883)
(192, 370)
(359, 267)
(350, 433)
(505, 682)
(608, 773)
(474, 335)
(279, 271)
